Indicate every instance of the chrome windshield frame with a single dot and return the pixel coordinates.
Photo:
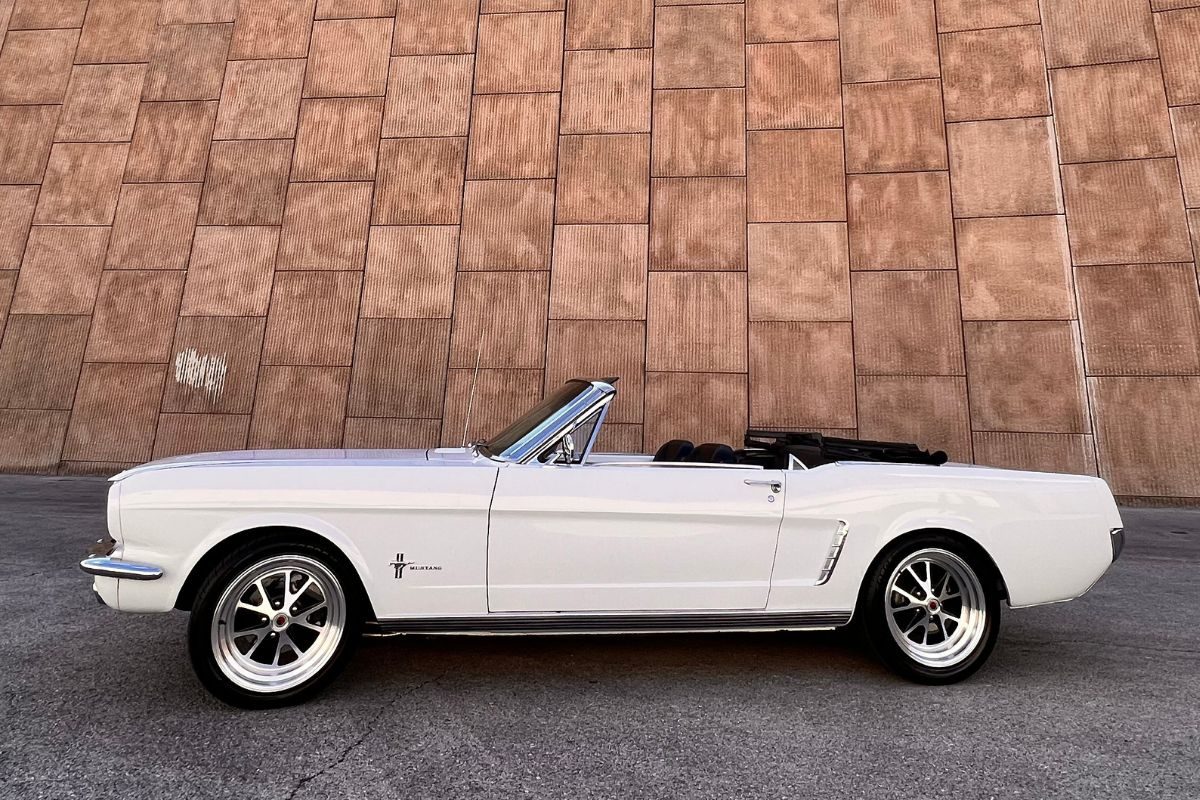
(560, 422)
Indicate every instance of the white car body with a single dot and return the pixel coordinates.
(452, 540)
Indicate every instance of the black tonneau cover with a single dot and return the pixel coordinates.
(771, 449)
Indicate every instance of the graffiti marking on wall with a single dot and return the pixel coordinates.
(203, 372)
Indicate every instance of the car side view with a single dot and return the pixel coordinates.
(284, 558)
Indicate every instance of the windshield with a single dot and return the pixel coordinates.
(519, 429)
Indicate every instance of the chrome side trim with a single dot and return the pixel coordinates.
(835, 552)
(116, 568)
(611, 623)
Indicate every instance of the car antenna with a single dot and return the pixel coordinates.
(471, 394)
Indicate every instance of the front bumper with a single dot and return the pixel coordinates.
(107, 567)
(1117, 539)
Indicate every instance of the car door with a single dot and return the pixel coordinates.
(632, 537)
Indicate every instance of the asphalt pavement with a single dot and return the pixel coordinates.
(1095, 698)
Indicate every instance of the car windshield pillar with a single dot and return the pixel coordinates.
(546, 423)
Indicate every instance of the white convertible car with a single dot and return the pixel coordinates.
(285, 558)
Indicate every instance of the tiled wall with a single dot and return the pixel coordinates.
(231, 223)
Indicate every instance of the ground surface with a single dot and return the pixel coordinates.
(1095, 698)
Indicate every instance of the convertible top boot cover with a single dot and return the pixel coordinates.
(774, 448)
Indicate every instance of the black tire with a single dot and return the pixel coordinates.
(877, 601)
(203, 628)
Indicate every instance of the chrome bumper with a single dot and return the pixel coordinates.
(115, 568)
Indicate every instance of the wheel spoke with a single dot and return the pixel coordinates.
(303, 623)
(290, 597)
(913, 601)
(921, 620)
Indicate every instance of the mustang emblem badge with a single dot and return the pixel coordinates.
(399, 564)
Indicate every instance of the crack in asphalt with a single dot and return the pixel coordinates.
(371, 726)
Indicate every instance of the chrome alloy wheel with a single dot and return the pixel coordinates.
(936, 608)
(278, 623)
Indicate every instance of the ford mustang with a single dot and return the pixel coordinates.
(285, 558)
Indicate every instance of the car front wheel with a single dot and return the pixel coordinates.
(931, 609)
(273, 624)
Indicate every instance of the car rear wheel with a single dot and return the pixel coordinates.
(274, 623)
(931, 609)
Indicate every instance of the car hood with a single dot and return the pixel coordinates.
(431, 457)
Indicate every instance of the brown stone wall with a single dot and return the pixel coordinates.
(260, 223)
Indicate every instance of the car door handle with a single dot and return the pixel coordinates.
(776, 486)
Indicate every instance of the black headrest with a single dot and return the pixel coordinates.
(675, 450)
(713, 453)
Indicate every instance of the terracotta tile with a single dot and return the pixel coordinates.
(1150, 455)
(184, 12)
(994, 74)
(599, 272)
(1039, 452)
(245, 183)
(514, 136)
(1026, 377)
(410, 271)
(348, 58)
(338, 139)
(698, 223)
(1141, 319)
(600, 349)
(154, 226)
(619, 438)
(1168, 5)
(115, 426)
(1111, 111)
(8, 285)
(488, 303)
(507, 225)
(61, 270)
(883, 40)
(694, 320)
(813, 386)
(39, 360)
(260, 99)
(424, 28)
(380, 433)
(312, 318)
(1004, 167)
(1015, 268)
(272, 29)
(170, 142)
(299, 407)
(181, 434)
(894, 126)
(794, 85)
(1126, 212)
(117, 31)
(931, 412)
(699, 46)
(16, 213)
(535, 66)
(101, 103)
(907, 323)
(399, 368)
(1186, 122)
(43, 14)
(325, 226)
(513, 6)
(606, 91)
(1178, 32)
(699, 132)
(428, 96)
(26, 133)
(355, 9)
(230, 271)
(135, 316)
(958, 15)
(1096, 31)
(419, 182)
(188, 62)
(900, 221)
(30, 440)
(214, 365)
(603, 178)
(35, 66)
(799, 272)
(789, 20)
(499, 396)
(701, 407)
(796, 176)
(604, 24)
(81, 185)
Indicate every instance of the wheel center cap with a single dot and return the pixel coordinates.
(933, 605)
(281, 620)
